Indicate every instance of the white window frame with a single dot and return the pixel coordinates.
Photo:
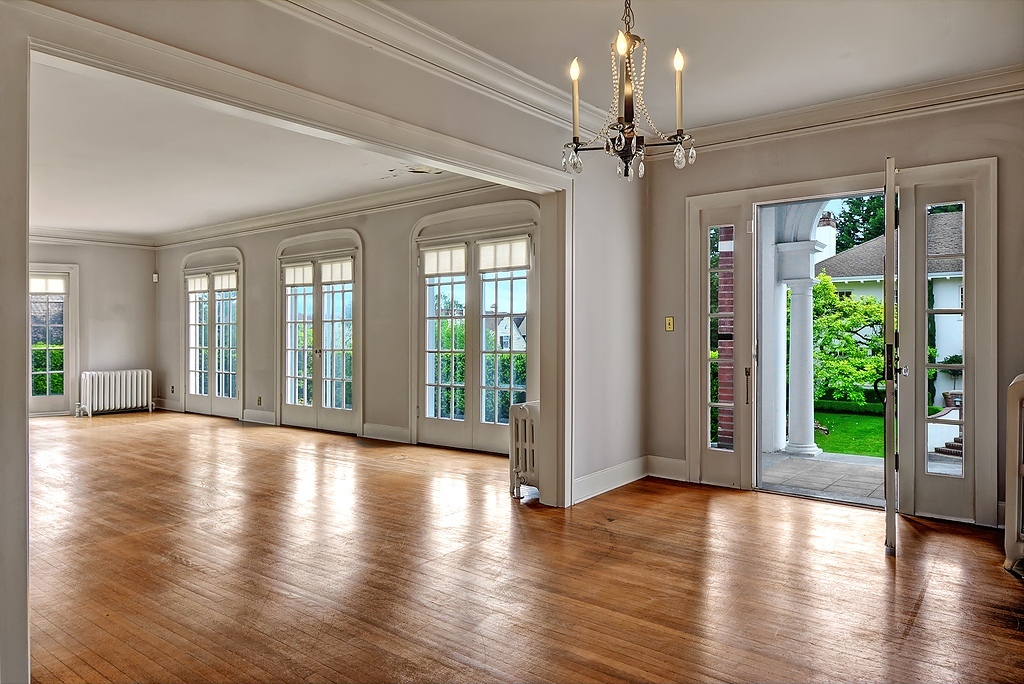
(474, 425)
(320, 246)
(211, 263)
(72, 360)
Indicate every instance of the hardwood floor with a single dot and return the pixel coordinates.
(171, 548)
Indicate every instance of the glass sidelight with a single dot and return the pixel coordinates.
(721, 323)
(944, 407)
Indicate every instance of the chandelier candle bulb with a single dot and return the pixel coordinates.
(678, 64)
(574, 74)
(620, 47)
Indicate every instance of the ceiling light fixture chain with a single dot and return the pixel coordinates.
(627, 17)
(622, 137)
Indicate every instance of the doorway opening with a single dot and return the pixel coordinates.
(821, 348)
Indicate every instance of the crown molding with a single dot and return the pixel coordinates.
(377, 25)
(380, 27)
(42, 235)
(946, 95)
(357, 206)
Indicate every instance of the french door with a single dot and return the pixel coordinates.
(212, 343)
(320, 345)
(939, 333)
(945, 361)
(51, 344)
(721, 343)
(474, 337)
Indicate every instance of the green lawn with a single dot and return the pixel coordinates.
(851, 434)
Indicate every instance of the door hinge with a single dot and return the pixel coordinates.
(746, 372)
(897, 460)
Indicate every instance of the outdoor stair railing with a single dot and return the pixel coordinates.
(1014, 472)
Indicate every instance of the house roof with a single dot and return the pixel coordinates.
(945, 236)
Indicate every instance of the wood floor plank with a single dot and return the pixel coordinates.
(172, 548)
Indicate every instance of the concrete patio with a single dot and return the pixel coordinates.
(837, 477)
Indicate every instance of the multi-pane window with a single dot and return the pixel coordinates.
(198, 334)
(720, 326)
(503, 267)
(225, 288)
(336, 279)
(445, 343)
(47, 299)
(298, 321)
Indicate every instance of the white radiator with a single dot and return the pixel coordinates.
(117, 390)
(522, 453)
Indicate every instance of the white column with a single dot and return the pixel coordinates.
(801, 369)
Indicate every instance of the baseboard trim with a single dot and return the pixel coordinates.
(167, 405)
(668, 468)
(388, 433)
(602, 481)
(261, 417)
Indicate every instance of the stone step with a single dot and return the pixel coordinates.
(955, 446)
(949, 452)
(958, 440)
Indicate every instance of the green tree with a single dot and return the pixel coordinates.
(861, 219)
(848, 343)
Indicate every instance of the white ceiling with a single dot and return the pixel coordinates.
(744, 58)
(112, 154)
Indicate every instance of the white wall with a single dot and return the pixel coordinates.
(608, 370)
(116, 300)
(986, 130)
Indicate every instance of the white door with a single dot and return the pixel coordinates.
(320, 336)
(722, 433)
(212, 344)
(474, 345)
(51, 344)
(947, 333)
(892, 370)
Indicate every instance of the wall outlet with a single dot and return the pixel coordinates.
(670, 323)
(172, 389)
(259, 401)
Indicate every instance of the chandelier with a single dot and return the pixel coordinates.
(622, 138)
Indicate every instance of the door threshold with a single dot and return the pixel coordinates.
(827, 497)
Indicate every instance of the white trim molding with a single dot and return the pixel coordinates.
(257, 416)
(602, 481)
(386, 433)
(668, 468)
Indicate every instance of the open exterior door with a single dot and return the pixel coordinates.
(891, 353)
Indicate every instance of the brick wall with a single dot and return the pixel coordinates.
(726, 356)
